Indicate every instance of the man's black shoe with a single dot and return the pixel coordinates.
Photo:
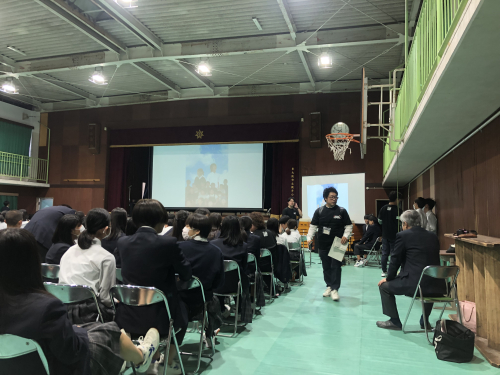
(388, 325)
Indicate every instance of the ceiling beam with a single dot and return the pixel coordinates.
(24, 99)
(4, 60)
(66, 86)
(204, 49)
(305, 63)
(82, 23)
(287, 15)
(189, 68)
(157, 76)
(130, 22)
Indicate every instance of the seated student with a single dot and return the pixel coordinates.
(367, 241)
(274, 227)
(253, 241)
(130, 228)
(118, 227)
(151, 260)
(179, 232)
(291, 233)
(67, 231)
(419, 205)
(25, 217)
(3, 224)
(27, 310)
(14, 219)
(216, 220)
(206, 260)
(414, 250)
(43, 225)
(267, 238)
(431, 217)
(6, 207)
(283, 222)
(202, 211)
(88, 263)
(233, 247)
(169, 225)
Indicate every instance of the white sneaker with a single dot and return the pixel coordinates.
(384, 274)
(335, 295)
(358, 263)
(148, 346)
(328, 291)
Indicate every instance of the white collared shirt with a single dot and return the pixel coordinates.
(94, 267)
(294, 236)
(431, 222)
(423, 218)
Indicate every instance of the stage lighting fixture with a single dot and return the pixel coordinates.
(8, 87)
(126, 3)
(203, 69)
(97, 77)
(325, 61)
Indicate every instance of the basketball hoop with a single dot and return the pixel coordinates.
(339, 143)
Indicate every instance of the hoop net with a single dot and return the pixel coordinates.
(339, 143)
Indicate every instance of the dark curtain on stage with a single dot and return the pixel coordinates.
(285, 176)
(117, 178)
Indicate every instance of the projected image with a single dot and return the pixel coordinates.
(207, 177)
(315, 196)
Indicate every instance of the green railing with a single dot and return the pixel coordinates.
(24, 168)
(436, 23)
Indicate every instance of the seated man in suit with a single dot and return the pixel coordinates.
(371, 235)
(414, 250)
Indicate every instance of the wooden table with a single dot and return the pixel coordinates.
(479, 282)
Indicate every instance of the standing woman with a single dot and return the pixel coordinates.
(118, 228)
(67, 231)
(88, 263)
(29, 311)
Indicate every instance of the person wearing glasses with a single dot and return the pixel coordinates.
(330, 221)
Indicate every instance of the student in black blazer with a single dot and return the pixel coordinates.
(43, 225)
(368, 240)
(118, 227)
(206, 261)
(29, 311)
(414, 250)
(67, 231)
(148, 259)
(233, 248)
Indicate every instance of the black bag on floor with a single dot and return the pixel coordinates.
(453, 342)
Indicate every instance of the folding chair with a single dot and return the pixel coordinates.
(251, 259)
(12, 346)
(132, 295)
(73, 293)
(50, 271)
(296, 246)
(374, 255)
(305, 248)
(119, 275)
(189, 285)
(231, 265)
(436, 272)
(272, 288)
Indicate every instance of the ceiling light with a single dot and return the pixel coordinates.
(257, 23)
(126, 3)
(12, 48)
(97, 77)
(325, 61)
(203, 69)
(8, 87)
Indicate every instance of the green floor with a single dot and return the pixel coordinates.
(304, 333)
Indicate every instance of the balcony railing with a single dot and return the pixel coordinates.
(23, 168)
(436, 23)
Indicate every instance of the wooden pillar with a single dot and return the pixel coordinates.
(459, 252)
(468, 270)
(479, 291)
(492, 289)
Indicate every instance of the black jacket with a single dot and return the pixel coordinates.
(56, 252)
(43, 224)
(415, 249)
(207, 263)
(151, 260)
(110, 245)
(43, 318)
(371, 235)
(237, 253)
(267, 238)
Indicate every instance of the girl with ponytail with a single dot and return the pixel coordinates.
(88, 263)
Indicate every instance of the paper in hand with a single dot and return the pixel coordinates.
(338, 250)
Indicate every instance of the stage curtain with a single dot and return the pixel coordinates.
(285, 176)
(117, 177)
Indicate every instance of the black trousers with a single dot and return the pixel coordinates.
(332, 270)
(387, 247)
(388, 296)
(360, 249)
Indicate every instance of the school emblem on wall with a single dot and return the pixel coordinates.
(199, 134)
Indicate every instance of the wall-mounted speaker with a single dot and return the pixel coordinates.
(94, 138)
(315, 136)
